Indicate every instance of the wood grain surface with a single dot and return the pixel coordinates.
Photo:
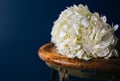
(48, 53)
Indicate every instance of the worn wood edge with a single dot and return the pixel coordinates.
(94, 64)
(41, 52)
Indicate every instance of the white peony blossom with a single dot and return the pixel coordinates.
(84, 35)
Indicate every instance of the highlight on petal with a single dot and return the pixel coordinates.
(115, 27)
(84, 22)
(104, 19)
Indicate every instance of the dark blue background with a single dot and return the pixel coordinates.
(25, 25)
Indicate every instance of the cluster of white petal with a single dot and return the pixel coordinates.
(84, 35)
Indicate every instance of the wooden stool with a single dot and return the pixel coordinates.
(96, 68)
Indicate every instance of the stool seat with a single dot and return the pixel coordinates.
(49, 54)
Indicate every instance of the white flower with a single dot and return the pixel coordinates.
(84, 35)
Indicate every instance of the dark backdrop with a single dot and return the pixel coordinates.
(25, 25)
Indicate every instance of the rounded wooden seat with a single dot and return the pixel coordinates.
(107, 69)
(48, 53)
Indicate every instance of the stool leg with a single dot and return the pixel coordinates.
(63, 76)
(53, 75)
